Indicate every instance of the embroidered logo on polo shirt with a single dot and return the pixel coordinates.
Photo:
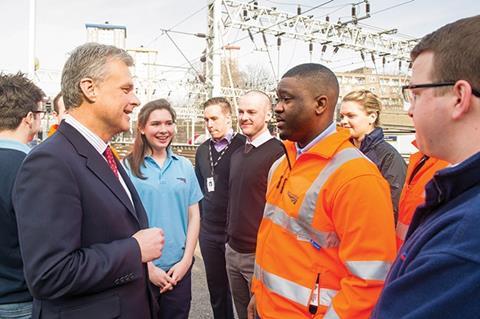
(293, 197)
(182, 179)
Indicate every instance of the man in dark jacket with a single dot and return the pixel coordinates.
(437, 272)
(21, 110)
(81, 225)
(212, 167)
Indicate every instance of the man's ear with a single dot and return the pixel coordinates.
(88, 89)
(28, 119)
(268, 116)
(321, 104)
(463, 94)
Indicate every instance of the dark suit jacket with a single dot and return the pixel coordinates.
(75, 224)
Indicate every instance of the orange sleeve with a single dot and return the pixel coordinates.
(362, 215)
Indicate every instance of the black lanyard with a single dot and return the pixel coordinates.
(214, 164)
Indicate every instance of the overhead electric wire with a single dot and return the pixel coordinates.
(181, 52)
(392, 7)
(176, 25)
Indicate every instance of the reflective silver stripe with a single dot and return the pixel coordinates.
(283, 287)
(307, 209)
(274, 167)
(326, 296)
(331, 314)
(300, 228)
(402, 230)
(369, 270)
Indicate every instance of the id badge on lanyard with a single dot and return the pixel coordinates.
(210, 184)
(210, 180)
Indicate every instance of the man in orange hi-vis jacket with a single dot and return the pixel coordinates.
(58, 112)
(327, 238)
(420, 171)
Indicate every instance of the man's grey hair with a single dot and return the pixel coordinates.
(88, 61)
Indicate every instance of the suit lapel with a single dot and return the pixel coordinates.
(98, 165)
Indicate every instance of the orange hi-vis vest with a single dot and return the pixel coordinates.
(420, 171)
(327, 238)
(52, 130)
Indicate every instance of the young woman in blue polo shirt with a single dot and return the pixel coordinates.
(170, 193)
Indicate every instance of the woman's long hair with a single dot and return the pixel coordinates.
(141, 146)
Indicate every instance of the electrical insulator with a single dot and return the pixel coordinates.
(245, 13)
(310, 47)
(373, 57)
(279, 42)
(362, 55)
(367, 8)
(399, 64)
(336, 49)
(250, 35)
(410, 65)
(264, 39)
(384, 60)
(324, 48)
(255, 5)
(354, 12)
(299, 10)
(327, 18)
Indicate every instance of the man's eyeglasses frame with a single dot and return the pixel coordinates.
(407, 95)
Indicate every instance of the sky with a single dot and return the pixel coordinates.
(60, 27)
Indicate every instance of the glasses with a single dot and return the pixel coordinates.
(41, 114)
(408, 95)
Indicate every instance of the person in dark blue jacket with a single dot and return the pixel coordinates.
(437, 271)
(21, 111)
(360, 113)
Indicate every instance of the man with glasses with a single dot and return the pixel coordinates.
(20, 112)
(437, 272)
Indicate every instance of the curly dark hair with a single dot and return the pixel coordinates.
(18, 96)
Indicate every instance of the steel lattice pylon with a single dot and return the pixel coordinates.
(249, 16)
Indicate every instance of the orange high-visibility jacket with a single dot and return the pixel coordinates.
(420, 171)
(52, 130)
(327, 238)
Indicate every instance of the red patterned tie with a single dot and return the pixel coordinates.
(111, 160)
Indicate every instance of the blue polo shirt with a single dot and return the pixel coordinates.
(166, 193)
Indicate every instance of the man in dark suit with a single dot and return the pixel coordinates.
(82, 227)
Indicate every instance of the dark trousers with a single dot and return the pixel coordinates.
(175, 304)
(213, 253)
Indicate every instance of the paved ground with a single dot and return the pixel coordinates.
(200, 308)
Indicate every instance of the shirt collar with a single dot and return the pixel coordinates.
(91, 137)
(170, 154)
(326, 132)
(228, 138)
(262, 138)
(14, 145)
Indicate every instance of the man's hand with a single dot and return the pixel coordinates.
(151, 242)
(251, 309)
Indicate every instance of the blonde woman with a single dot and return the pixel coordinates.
(360, 113)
